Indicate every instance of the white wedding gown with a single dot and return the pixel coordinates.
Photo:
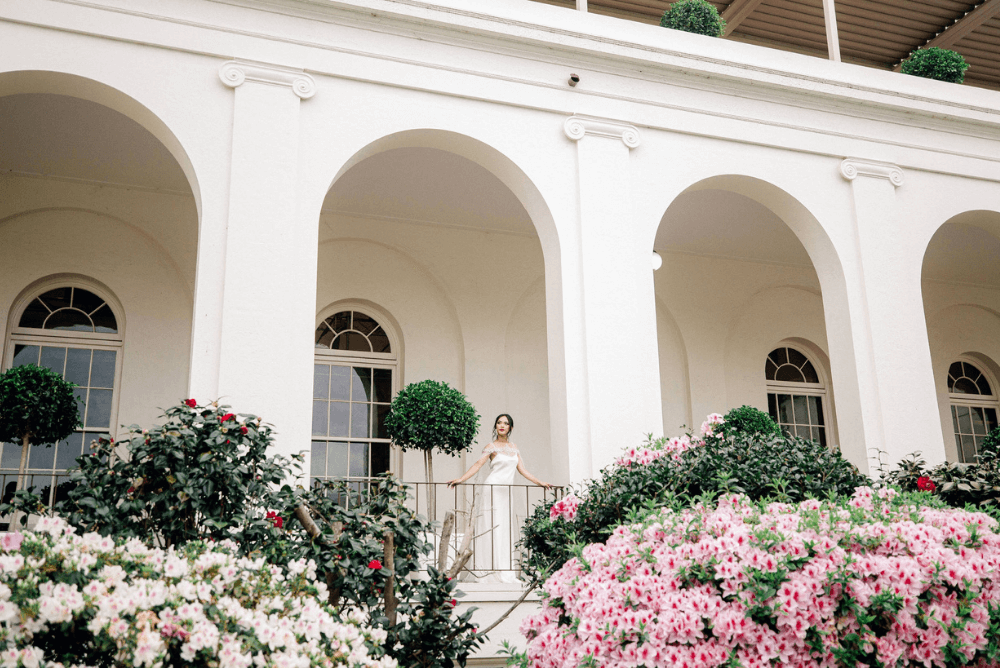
(493, 550)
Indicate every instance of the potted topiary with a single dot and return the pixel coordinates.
(432, 416)
(936, 63)
(697, 16)
(36, 406)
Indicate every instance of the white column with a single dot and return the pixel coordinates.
(905, 417)
(619, 313)
(269, 290)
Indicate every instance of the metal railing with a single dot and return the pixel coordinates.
(50, 487)
(492, 514)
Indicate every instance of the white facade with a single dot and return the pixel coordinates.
(230, 172)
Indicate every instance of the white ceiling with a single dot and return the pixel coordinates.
(66, 137)
(966, 253)
(428, 185)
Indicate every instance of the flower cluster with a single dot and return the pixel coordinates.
(876, 580)
(925, 484)
(565, 508)
(708, 427)
(90, 600)
(671, 447)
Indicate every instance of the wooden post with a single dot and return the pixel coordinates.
(389, 563)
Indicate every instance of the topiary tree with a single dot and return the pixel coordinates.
(697, 16)
(432, 416)
(749, 421)
(936, 63)
(36, 406)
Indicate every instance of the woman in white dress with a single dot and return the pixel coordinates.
(505, 461)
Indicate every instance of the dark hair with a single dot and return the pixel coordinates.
(509, 419)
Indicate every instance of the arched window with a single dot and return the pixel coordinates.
(74, 331)
(973, 407)
(354, 379)
(795, 394)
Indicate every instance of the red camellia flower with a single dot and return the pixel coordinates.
(925, 484)
(227, 417)
(278, 522)
(275, 519)
(244, 430)
(454, 603)
(375, 565)
(190, 403)
(131, 490)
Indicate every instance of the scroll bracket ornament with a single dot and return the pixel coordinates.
(234, 72)
(577, 126)
(852, 168)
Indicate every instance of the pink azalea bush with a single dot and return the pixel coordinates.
(88, 600)
(657, 449)
(878, 579)
(565, 508)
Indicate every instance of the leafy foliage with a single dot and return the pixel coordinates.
(432, 416)
(749, 421)
(936, 63)
(36, 402)
(204, 474)
(761, 466)
(697, 16)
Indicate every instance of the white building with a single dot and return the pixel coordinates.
(223, 183)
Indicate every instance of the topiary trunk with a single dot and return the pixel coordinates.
(431, 491)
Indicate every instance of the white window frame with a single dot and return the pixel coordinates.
(957, 399)
(349, 358)
(804, 389)
(17, 335)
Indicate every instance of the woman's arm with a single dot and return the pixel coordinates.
(523, 471)
(471, 472)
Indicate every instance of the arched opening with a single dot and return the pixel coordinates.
(98, 199)
(960, 282)
(739, 282)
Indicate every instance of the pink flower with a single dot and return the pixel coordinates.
(11, 542)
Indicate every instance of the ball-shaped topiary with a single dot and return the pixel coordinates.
(936, 63)
(749, 421)
(36, 406)
(697, 16)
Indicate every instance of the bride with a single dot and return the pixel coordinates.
(504, 459)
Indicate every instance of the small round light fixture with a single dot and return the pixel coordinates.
(657, 261)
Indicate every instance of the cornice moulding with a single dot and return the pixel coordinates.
(852, 168)
(577, 127)
(234, 73)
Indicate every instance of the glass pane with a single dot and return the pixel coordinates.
(336, 460)
(26, 355)
(320, 412)
(359, 460)
(381, 410)
(955, 370)
(796, 358)
(71, 320)
(34, 316)
(770, 368)
(380, 341)
(351, 341)
(57, 299)
(809, 372)
(978, 421)
(53, 358)
(779, 356)
(380, 458)
(104, 320)
(324, 336)
(790, 374)
(822, 436)
(968, 449)
(816, 410)
(321, 381)
(339, 321)
(964, 421)
(772, 406)
(991, 419)
(339, 414)
(383, 385)
(340, 382)
(954, 419)
(363, 323)
(102, 373)
(78, 366)
(67, 451)
(81, 400)
(11, 458)
(41, 457)
(86, 301)
(360, 425)
(803, 432)
(785, 408)
(361, 387)
(317, 462)
(99, 409)
(965, 386)
(984, 385)
(801, 409)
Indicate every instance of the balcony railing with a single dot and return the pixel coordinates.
(487, 519)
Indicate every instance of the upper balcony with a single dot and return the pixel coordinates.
(873, 33)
